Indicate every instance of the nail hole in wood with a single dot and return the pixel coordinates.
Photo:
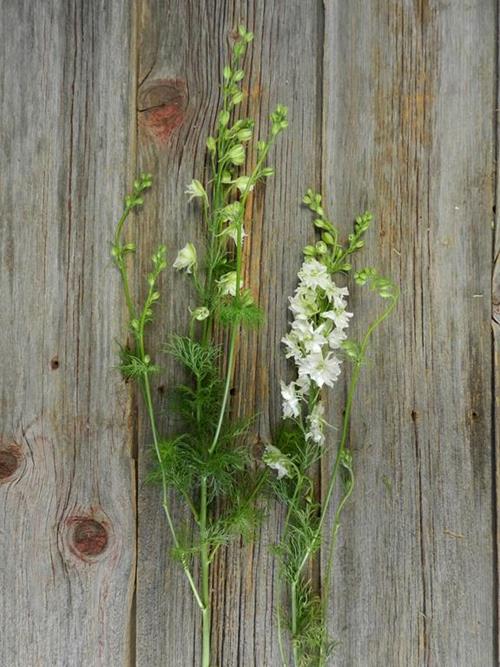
(54, 363)
(414, 415)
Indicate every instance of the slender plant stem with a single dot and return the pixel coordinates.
(165, 504)
(205, 576)
(293, 594)
(121, 265)
(235, 327)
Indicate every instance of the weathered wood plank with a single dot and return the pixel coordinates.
(408, 132)
(66, 481)
(182, 50)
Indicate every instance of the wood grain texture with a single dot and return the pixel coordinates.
(392, 107)
(408, 132)
(182, 49)
(67, 521)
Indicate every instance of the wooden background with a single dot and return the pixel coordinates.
(392, 107)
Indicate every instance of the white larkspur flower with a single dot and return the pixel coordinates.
(339, 316)
(313, 339)
(232, 232)
(186, 258)
(336, 295)
(277, 461)
(316, 422)
(303, 384)
(303, 304)
(292, 344)
(291, 402)
(322, 370)
(227, 283)
(315, 274)
(195, 189)
(336, 338)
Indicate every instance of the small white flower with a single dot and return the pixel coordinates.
(336, 338)
(339, 316)
(201, 313)
(232, 232)
(291, 402)
(277, 461)
(316, 424)
(294, 350)
(315, 274)
(227, 283)
(303, 304)
(337, 295)
(195, 189)
(186, 258)
(312, 339)
(322, 370)
(303, 384)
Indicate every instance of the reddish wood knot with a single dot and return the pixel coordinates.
(162, 107)
(9, 462)
(90, 538)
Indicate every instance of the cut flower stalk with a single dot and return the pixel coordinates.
(208, 463)
(318, 344)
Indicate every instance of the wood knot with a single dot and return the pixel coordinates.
(10, 460)
(162, 107)
(89, 537)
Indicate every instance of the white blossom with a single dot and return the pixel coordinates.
(315, 274)
(303, 304)
(316, 424)
(339, 316)
(318, 329)
(277, 461)
(291, 402)
(323, 370)
(195, 189)
(186, 258)
(227, 283)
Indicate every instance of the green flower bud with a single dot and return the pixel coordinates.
(201, 313)
(224, 118)
(211, 144)
(236, 155)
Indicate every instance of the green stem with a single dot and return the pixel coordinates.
(235, 327)
(165, 505)
(121, 264)
(345, 429)
(293, 593)
(205, 575)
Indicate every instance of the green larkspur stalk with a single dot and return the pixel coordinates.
(208, 463)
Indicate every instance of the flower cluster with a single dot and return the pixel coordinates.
(317, 332)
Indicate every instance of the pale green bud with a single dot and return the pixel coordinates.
(236, 155)
(201, 313)
(211, 144)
